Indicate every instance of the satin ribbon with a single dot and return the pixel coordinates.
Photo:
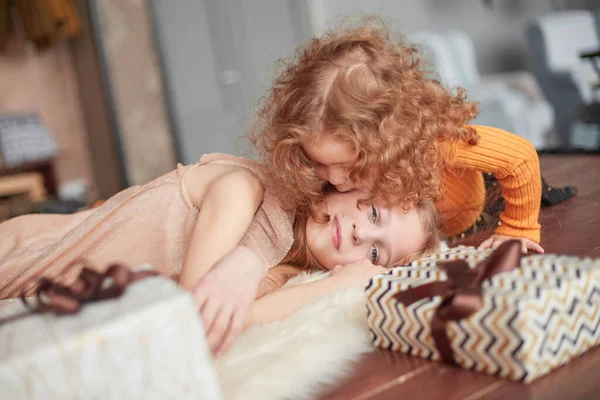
(462, 294)
(90, 286)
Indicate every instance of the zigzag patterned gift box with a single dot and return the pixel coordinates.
(528, 321)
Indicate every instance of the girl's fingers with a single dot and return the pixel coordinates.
(524, 246)
(486, 243)
(218, 328)
(208, 314)
(200, 298)
(235, 329)
(535, 247)
(496, 244)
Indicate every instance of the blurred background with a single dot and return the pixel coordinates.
(98, 95)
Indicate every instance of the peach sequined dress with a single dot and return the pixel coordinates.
(150, 224)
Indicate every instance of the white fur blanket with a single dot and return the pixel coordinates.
(294, 358)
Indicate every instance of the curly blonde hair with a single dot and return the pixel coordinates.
(365, 88)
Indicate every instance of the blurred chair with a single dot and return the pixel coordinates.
(556, 42)
(511, 101)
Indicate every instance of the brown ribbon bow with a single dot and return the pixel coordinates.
(90, 286)
(462, 293)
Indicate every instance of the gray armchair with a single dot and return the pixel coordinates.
(511, 100)
(555, 42)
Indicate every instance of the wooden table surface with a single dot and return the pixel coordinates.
(569, 228)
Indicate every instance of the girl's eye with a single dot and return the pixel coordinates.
(313, 163)
(319, 166)
(374, 254)
(373, 213)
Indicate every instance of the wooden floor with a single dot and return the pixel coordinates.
(569, 228)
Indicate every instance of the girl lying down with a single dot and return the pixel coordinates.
(217, 228)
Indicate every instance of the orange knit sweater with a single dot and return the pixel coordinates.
(514, 162)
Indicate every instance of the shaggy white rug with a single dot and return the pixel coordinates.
(294, 358)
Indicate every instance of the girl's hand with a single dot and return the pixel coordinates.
(357, 273)
(496, 240)
(224, 296)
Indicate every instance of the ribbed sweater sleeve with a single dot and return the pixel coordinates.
(514, 162)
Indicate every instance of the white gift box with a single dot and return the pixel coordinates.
(146, 344)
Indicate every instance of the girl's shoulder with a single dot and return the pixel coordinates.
(223, 158)
(258, 168)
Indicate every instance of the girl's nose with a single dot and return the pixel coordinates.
(337, 176)
(363, 233)
(358, 234)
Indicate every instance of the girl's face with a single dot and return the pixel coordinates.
(384, 236)
(333, 161)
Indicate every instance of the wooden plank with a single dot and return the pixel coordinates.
(377, 371)
(439, 382)
(578, 380)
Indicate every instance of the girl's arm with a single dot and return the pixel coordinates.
(284, 302)
(227, 204)
(515, 163)
(223, 275)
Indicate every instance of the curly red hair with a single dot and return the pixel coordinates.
(368, 89)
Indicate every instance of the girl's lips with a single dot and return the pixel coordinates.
(336, 233)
